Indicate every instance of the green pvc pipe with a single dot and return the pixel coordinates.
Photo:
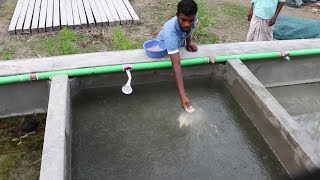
(267, 55)
(100, 70)
(152, 65)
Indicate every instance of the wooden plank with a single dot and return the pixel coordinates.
(102, 13)
(43, 16)
(15, 17)
(82, 14)
(36, 14)
(28, 19)
(131, 11)
(69, 14)
(125, 11)
(113, 12)
(56, 15)
(22, 16)
(49, 20)
(107, 12)
(63, 14)
(91, 21)
(75, 12)
(122, 17)
(95, 12)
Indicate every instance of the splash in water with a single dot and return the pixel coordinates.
(191, 119)
(199, 121)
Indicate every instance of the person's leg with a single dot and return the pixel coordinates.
(266, 32)
(252, 29)
(260, 30)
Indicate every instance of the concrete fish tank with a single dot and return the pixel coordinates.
(254, 119)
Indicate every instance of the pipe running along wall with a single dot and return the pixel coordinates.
(152, 65)
(100, 70)
(268, 55)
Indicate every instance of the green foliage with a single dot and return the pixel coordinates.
(7, 57)
(214, 39)
(204, 21)
(63, 44)
(66, 42)
(119, 40)
(50, 46)
(7, 54)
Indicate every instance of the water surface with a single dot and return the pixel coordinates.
(116, 136)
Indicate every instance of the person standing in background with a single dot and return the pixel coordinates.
(262, 16)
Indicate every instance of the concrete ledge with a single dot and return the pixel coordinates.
(143, 77)
(278, 72)
(23, 98)
(276, 126)
(56, 155)
(133, 56)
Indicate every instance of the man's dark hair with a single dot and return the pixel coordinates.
(187, 7)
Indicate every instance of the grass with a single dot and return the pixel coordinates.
(50, 46)
(201, 34)
(236, 11)
(63, 44)
(166, 11)
(70, 42)
(66, 42)
(204, 21)
(7, 54)
(230, 23)
(7, 9)
(120, 41)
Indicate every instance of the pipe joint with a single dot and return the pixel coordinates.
(211, 59)
(285, 55)
(33, 76)
(126, 67)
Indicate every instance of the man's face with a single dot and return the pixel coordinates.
(186, 22)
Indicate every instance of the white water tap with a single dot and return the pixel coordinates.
(127, 89)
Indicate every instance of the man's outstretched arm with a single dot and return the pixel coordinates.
(175, 60)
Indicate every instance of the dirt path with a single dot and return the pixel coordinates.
(304, 12)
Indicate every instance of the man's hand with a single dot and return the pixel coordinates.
(185, 102)
(192, 47)
(249, 16)
(272, 21)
